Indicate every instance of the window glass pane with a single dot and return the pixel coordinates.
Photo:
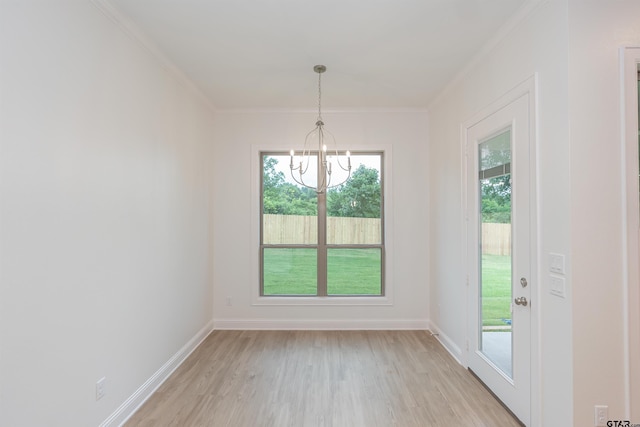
(290, 211)
(354, 209)
(496, 151)
(290, 271)
(495, 258)
(354, 271)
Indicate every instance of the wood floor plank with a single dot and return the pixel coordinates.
(321, 378)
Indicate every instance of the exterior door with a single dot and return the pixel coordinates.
(499, 253)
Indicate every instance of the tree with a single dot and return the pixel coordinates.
(496, 199)
(496, 191)
(271, 177)
(358, 197)
(283, 198)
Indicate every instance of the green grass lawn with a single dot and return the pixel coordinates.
(292, 271)
(353, 272)
(496, 289)
(289, 271)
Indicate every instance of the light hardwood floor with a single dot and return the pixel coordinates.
(321, 378)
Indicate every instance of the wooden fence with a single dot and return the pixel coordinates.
(289, 229)
(302, 230)
(496, 239)
(345, 231)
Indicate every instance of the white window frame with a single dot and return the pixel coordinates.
(365, 300)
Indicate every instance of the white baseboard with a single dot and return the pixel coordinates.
(131, 405)
(447, 343)
(327, 325)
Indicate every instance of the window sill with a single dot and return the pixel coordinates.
(321, 301)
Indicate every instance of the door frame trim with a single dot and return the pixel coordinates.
(528, 87)
(629, 66)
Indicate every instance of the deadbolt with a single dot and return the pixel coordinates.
(523, 282)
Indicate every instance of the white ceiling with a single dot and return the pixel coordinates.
(261, 53)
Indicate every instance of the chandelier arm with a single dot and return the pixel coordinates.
(306, 153)
(337, 154)
(346, 169)
(340, 183)
(306, 166)
(297, 168)
(301, 181)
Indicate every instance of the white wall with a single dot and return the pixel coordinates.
(537, 44)
(236, 217)
(597, 30)
(104, 214)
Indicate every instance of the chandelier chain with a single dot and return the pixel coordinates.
(319, 97)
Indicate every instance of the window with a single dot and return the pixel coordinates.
(322, 244)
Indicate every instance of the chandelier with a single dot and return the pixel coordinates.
(323, 156)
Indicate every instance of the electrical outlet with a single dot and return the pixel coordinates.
(100, 388)
(602, 415)
(229, 301)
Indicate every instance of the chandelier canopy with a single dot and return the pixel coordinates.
(315, 150)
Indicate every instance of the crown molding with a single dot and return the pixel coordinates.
(345, 110)
(127, 26)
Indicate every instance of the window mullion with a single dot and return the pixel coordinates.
(322, 233)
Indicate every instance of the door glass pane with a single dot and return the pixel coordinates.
(354, 208)
(354, 271)
(495, 257)
(290, 211)
(290, 271)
